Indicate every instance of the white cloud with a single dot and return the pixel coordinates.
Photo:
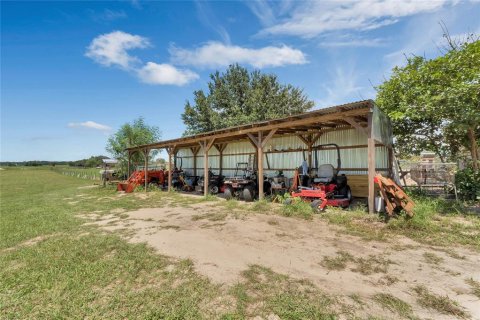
(154, 73)
(263, 11)
(344, 86)
(353, 42)
(110, 49)
(107, 15)
(216, 54)
(309, 19)
(89, 125)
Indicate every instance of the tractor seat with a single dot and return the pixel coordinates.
(325, 174)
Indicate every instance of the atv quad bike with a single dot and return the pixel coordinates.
(215, 183)
(244, 184)
(327, 188)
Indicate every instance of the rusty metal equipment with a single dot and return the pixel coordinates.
(138, 178)
(395, 198)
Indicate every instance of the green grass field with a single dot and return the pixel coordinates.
(81, 173)
(54, 265)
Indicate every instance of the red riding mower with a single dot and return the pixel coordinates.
(327, 188)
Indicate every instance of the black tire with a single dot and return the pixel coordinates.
(213, 189)
(267, 188)
(228, 192)
(349, 197)
(315, 204)
(248, 194)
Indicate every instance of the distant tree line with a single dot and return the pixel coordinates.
(91, 162)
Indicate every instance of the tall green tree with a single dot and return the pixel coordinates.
(132, 134)
(435, 104)
(238, 97)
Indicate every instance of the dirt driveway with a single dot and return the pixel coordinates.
(222, 243)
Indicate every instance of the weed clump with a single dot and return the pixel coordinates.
(442, 304)
(297, 208)
(394, 304)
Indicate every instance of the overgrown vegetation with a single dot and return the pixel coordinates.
(434, 103)
(467, 182)
(436, 222)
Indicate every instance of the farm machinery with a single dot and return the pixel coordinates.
(215, 183)
(244, 183)
(326, 188)
(137, 178)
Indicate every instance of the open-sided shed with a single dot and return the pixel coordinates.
(361, 130)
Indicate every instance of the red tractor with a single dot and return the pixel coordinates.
(138, 179)
(327, 188)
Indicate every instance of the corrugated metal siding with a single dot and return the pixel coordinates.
(351, 158)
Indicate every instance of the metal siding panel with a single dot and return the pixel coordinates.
(351, 158)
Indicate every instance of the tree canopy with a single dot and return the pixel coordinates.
(435, 104)
(129, 135)
(238, 97)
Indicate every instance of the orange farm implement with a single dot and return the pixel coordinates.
(395, 198)
(138, 179)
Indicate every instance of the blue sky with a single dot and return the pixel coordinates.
(73, 72)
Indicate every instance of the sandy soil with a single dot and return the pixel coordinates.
(222, 245)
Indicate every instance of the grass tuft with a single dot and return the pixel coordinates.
(442, 304)
(338, 262)
(432, 258)
(475, 285)
(298, 209)
(394, 304)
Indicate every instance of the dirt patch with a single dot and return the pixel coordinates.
(222, 246)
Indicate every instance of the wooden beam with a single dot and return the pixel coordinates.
(128, 164)
(146, 168)
(260, 165)
(317, 120)
(253, 140)
(356, 125)
(220, 147)
(171, 151)
(305, 140)
(371, 165)
(268, 137)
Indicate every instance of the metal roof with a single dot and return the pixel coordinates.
(326, 118)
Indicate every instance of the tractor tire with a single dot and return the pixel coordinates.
(228, 193)
(213, 189)
(248, 194)
(315, 204)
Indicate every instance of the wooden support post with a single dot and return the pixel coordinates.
(260, 143)
(220, 147)
(390, 162)
(309, 141)
(206, 145)
(194, 151)
(128, 164)
(371, 165)
(170, 151)
(260, 165)
(146, 168)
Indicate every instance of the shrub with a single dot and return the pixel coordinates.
(468, 184)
